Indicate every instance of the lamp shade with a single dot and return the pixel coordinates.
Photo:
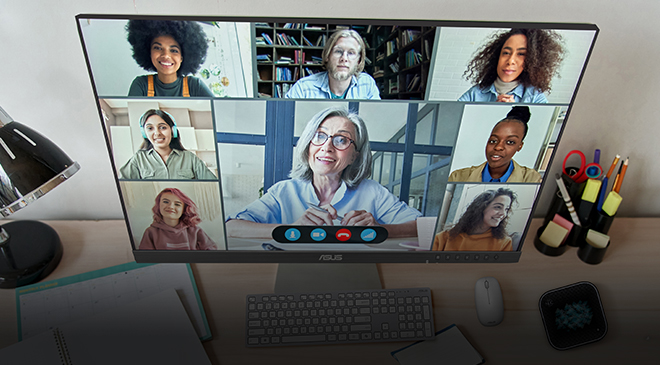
(30, 166)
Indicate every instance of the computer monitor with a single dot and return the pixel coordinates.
(254, 148)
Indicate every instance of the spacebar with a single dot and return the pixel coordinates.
(296, 339)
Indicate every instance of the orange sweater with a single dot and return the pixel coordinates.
(465, 242)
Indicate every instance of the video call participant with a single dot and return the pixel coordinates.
(161, 155)
(332, 161)
(506, 138)
(343, 57)
(175, 225)
(173, 49)
(483, 225)
(515, 67)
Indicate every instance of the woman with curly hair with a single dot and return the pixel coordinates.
(175, 225)
(173, 49)
(516, 66)
(483, 225)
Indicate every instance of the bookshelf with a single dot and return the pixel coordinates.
(287, 52)
(402, 60)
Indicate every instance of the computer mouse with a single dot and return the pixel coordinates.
(488, 301)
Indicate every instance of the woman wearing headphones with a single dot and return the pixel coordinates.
(161, 155)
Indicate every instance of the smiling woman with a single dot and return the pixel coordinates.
(331, 166)
(174, 49)
(483, 225)
(506, 139)
(161, 155)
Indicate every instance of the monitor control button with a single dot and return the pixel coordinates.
(368, 235)
(292, 234)
(318, 234)
(343, 235)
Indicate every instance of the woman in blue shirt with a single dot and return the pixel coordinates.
(332, 161)
(515, 67)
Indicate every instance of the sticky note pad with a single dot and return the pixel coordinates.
(591, 190)
(612, 203)
(553, 234)
(564, 223)
(597, 239)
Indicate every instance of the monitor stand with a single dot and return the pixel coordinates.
(300, 278)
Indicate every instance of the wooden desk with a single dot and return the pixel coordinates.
(628, 280)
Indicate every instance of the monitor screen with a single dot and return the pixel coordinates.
(330, 140)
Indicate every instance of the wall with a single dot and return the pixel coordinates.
(45, 83)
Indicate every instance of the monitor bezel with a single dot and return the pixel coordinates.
(245, 256)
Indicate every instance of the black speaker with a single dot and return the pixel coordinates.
(573, 315)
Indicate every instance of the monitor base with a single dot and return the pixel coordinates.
(299, 278)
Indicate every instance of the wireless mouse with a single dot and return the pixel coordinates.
(488, 301)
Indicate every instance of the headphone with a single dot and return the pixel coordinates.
(143, 120)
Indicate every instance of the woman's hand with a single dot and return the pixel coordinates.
(359, 218)
(505, 98)
(316, 217)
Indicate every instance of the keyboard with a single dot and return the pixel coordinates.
(339, 317)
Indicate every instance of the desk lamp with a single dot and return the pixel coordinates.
(30, 166)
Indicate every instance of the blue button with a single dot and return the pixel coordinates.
(368, 235)
(318, 234)
(292, 234)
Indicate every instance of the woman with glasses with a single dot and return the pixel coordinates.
(343, 57)
(331, 163)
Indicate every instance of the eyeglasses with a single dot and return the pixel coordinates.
(339, 142)
(338, 52)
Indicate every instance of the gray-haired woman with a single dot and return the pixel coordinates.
(331, 164)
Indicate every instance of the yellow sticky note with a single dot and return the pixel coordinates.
(597, 239)
(612, 202)
(591, 190)
(553, 234)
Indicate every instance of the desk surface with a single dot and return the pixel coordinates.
(628, 280)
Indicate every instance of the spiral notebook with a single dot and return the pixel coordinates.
(152, 330)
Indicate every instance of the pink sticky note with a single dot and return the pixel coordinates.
(564, 223)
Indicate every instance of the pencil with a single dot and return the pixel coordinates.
(567, 200)
(616, 179)
(617, 185)
(616, 161)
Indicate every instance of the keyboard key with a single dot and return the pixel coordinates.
(300, 339)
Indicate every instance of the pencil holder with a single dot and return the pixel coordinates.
(577, 236)
(590, 254)
(601, 222)
(545, 249)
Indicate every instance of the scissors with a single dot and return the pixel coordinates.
(584, 171)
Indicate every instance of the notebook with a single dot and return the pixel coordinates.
(151, 330)
(448, 347)
(46, 305)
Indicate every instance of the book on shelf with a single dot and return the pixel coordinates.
(260, 41)
(309, 72)
(393, 87)
(292, 26)
(320, 42)
(366, 42)
(262, 25)
(283, 60)
(263, 58)
(314, 27)
(367, 61)
(267, 38)
(394, 66)
(283, 74)
(342, 27)
(409, 35)
(412, 58)
(427, 49)
(306, 42)
(413, 82)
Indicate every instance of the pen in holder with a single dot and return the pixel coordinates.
(559, 206)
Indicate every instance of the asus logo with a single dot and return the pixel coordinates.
(330, 258)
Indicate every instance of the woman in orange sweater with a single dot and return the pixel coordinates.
(483, 225)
